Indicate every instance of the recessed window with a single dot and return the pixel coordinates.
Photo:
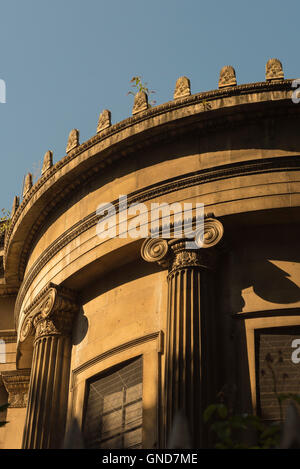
(277, 353)
(113, 417)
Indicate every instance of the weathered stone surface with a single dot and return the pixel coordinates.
(140, 102)
(227, 77)
(274, 70)
(27, 184)
(15, 206)
(73, 140)
(240, 158)
(104, 120)
(47, 162)
(182, 88)
(17, 384)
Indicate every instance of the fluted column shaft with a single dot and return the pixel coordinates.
(49, 379)
(47, 401)
(189, 376)
(189, 302)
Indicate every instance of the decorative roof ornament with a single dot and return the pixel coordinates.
(104, 120)
(182, 88)
(274, 70)
(48, 161)
(15, 206)
(140, 102)
(227, 77)
(73, 140)
(27, 184)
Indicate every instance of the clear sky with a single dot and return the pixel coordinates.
(64, 61)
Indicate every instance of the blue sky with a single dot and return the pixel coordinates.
(64, 61)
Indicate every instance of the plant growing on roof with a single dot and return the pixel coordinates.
(4, 220)
(136, 82)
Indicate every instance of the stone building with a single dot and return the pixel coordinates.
(121, 333)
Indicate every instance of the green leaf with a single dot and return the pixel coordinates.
(270, 431)
(222, 411)
(220, 446)
(209, 411)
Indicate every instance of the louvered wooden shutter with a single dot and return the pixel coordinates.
(113, 416)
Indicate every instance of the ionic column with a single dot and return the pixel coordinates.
(189, 341)
(50, 322)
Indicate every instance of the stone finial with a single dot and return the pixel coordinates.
(27, 184)
(227, 77)
(15, 206)
(104, 120)
(48, 161)
(140, 102)
(274, 70)
(73, 140)
(182, 88)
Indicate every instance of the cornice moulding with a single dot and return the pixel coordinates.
(200, 177)
(8, 336)
(56, 188)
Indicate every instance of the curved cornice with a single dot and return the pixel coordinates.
(202, 111)
(156, 190)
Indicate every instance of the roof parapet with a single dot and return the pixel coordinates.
(227, 79)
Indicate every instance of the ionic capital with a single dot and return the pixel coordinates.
(182, 253)
(51, 313)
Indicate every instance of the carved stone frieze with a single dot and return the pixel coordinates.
(16, 383)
